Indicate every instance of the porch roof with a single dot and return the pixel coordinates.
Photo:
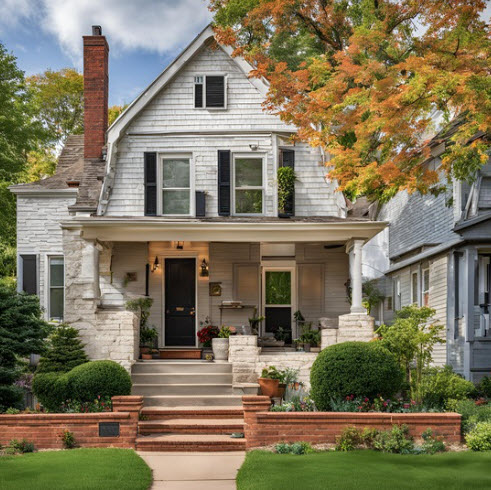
(262, 229)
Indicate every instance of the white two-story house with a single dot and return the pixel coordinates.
(178, 201)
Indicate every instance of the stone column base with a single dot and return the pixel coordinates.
(352, 327)
(243, 355)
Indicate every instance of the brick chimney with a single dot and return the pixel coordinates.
(96, 85)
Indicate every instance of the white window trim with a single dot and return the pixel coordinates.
(160, 184)
(48, 287)
(415, 298)
(225, 89)
(423, 291)
(262, 188)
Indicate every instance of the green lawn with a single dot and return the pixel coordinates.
(77, 469)
(364, 470)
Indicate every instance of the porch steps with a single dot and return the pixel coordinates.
(180, 353)
(188, 406)
(189, 442)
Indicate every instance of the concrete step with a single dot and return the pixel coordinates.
(182, 378)
(189, 442)
(186, 389)
(188, 412)
(181, 367)
(191, 426)
(192, 400)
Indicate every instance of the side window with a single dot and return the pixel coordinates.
(397, 294)
(210, 91)
(425, 287)
(248, 185)
(56, 288)
(414, 288)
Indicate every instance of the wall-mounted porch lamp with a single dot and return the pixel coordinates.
(180, 245)
(156, 264)
(204, 272)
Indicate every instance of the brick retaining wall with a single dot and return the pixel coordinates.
(44, 429)
(262, 428)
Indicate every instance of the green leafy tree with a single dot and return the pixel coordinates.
(65, 351)
(412, 338)
(22, 332)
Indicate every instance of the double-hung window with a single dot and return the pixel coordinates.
(210, 91)
(176, 197)
(425, 287)
(56, 300)
(415, 288)
(248, 179)
(397, 294)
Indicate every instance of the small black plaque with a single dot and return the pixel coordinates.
(108, 429)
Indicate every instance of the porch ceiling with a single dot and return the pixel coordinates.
(237, 230)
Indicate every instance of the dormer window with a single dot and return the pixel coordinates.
(210, 92)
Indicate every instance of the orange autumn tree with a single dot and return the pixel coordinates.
(367, 79)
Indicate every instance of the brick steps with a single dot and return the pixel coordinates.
(189, 442)
(191, 426)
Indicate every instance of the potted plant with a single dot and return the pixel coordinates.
(148, 334)
(281, 335)
(147, 337)
(254, 323)
(270, 382)
(309, 337)
(205, 335)
(286, 188)
(220, 343)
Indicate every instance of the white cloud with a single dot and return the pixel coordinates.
(157, 25)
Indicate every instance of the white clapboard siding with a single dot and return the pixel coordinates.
(172, 111)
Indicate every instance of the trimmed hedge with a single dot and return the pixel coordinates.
(105, 378)
(354, 368)
(83, 383)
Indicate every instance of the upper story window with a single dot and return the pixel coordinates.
(414, 288)
(397, 303)
(425, 287)
(56, 303)
(176, 197)
(248, 180)
(210, 91)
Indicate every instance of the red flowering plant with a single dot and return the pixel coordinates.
(206, 334)
(352, 403)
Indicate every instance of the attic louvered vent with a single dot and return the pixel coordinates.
(210, 92)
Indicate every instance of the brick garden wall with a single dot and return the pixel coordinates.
(44, 429)
(263, 428)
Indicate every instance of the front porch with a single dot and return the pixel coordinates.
(212, 273)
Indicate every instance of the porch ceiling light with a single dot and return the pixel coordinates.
(156, 264)
(204, 272)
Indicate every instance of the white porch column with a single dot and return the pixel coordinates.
(356, 276)
(90, 269)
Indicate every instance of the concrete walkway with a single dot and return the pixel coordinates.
(193, 471)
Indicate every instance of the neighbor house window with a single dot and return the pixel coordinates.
(210, 91)
(56, 288)
(397, 294)
(176, 195)
(425, 287)
(414, 288)
(248, 185)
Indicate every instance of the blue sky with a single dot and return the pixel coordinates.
(143, 36)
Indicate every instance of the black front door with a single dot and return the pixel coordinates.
(180, 302)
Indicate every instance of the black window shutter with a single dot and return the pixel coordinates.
(224, 182)
(287, 159)
(29, 274)
(198, 95)
(215, 91)
(200, 204)
(150, 184)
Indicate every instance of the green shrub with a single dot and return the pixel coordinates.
(65, 352)
(297, 448)
(471, 412)
(24, 446)
(484, 387)
(51, 389)
(396, 440)
(12, 411)
(441, 384)
(350, 439)
(68, 439)
(432, 444)
(479, 438)
(98, 378)
(353, 368)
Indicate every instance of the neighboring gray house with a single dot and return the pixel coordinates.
(178, 200)
(437, 253)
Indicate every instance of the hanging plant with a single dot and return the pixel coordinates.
(286, 187)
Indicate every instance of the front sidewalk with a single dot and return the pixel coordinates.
(193, 471)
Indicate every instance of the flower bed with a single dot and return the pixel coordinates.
(45, 430)
(263, 428)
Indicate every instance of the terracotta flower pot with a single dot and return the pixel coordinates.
(281, 390)
(269, 387)
(147, 356)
